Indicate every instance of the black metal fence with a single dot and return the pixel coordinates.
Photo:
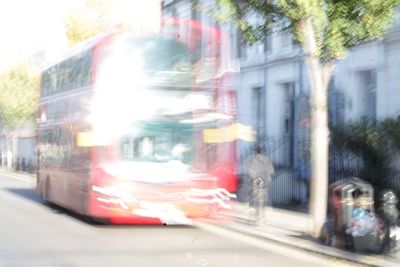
(290, 184)
(344, 164)
(25, 165)
(19, 165)
(23, 159)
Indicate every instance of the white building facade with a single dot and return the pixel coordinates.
(273, 95)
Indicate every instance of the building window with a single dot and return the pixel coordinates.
(397, 17)
(289, 107)
(367, 89)
(166, 2)
(259, 108)
(268, 44)
(371, 94)
(336, 104)
(286, 40)
(289, 119)
(240, 45)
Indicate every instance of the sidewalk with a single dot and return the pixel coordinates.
(22, 175)
(293, 229)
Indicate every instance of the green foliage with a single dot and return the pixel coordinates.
(239, 11)
(391, 128)
(88, 21)
(364, 138)
(337, 24)
(19, 90)
(374, 142)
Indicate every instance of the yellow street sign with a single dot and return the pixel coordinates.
(87, 139)
(228, 134)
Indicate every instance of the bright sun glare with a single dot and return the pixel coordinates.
(30, 26)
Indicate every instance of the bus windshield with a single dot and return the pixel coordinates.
(159, 142)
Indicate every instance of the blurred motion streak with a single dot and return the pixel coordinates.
(140, 127)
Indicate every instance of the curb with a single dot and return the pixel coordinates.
(307, 245)
(25, 176)
(274, 247)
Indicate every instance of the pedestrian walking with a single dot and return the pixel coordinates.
(260, 170)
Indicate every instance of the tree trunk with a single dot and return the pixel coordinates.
(10, 154)
(14, 147)
(319, 79)
(11, 148)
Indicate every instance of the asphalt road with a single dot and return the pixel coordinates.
(34, 234)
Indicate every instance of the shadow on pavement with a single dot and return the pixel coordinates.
(26, 193)
(31, 195)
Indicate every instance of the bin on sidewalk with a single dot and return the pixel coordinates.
(345, 196)
(371, 242)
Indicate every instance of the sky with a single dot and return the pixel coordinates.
(29, 25)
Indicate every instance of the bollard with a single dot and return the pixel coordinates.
(259, 198)
(390, 215)
(23, 164)
(29, 167)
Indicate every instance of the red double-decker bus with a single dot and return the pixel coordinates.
(137, 129)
